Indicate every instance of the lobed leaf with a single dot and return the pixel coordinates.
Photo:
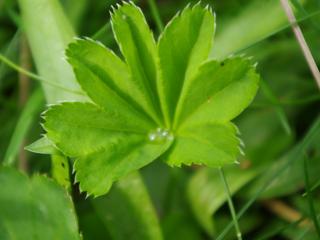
(126, 127)
(182, 47)
(42, 146)
(212, 144)
(96, 172)
(106, 78)
(219, 92)
(35, 208)
(106, 145)
(83, 128)
(138, 47)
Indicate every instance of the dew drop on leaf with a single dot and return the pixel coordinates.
(160, 135)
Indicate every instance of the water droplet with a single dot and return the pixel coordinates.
(164, 133)
(152, 136)
(160, 135)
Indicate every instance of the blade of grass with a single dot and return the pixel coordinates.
(103, 30)
(305, 232)
(314, 187)
(279, 110)
(57, 32)
(35, 76)
(32, 107)
(289, 102)
(230, 204)
(14, 16)
(281, 229)
(9, 51)
(303, 11)
(294, 154)
(310, 196)
(280, 29)
(156, 15)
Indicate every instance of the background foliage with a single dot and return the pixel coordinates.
(280, 130)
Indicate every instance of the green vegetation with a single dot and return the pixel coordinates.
(146, 123)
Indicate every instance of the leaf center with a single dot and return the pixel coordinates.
(160, 135)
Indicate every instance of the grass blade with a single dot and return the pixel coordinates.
(230, 203)
(278, 108)
(56, 32)
(295, 154)
(37, 77)
(32, 107)
(310, 197)
(156, 15)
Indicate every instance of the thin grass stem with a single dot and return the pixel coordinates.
(230, 204)
(103, 30)
(278, 108)
(32, 107)
(156, 15)
(309, 196)
(294, 154)
(35, 76)
(314, 187)
(305, 232)
(289, 102)
(280, 29)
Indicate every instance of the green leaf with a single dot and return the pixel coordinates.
(135, 218)
(60, 166)
(32, 108)
(219, 92)
(42, 146)
(256, 23)
(183, 46)
(82, 128)
(56, 33)
(206, 193)
(48, 40)
(123, 131)
(49, 32)
(60, 170)
(212, 144)
(181, 226)
(105, 78)
(138, 47)
(35, 208)
(105, 145)
(97, 171)
(291, 179)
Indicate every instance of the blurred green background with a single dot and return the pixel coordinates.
(280, 130)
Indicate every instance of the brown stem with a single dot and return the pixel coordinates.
(301, 40)
(24, 85)
(285, 212)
